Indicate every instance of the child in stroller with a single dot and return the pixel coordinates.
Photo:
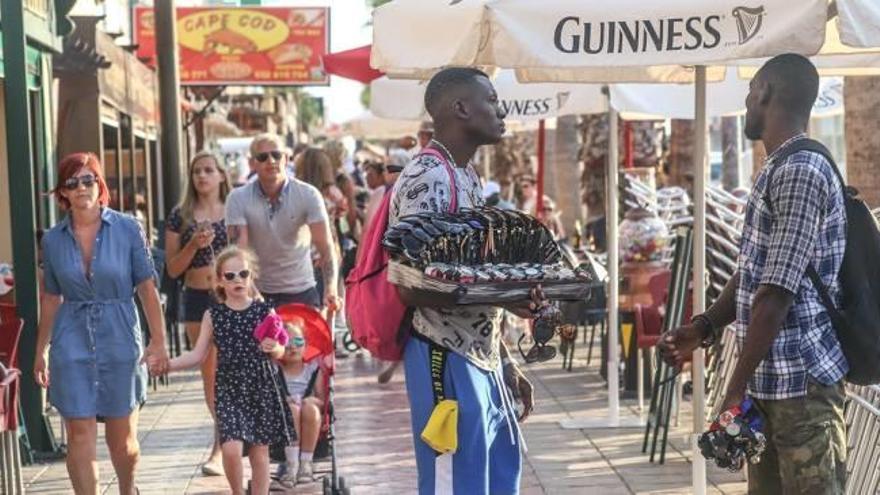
(308, 367)
(306, 392)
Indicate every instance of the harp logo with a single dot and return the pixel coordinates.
(748, 22)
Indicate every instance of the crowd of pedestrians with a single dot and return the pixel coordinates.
(239, 252)
(290, 233)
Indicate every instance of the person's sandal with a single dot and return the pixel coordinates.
(212, 469)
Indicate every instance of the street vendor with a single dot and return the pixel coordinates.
(462, 344)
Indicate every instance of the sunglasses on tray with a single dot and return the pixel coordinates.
(243, 274)
(264, 156)
(74, 182)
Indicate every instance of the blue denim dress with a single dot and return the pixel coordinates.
(95, 353)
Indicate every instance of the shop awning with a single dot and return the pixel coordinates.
(351, 64)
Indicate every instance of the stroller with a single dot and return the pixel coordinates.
(319, 345)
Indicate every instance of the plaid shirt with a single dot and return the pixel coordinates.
(808, 225)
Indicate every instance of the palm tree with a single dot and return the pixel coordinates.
(861, 98)
(593, 153)
(680, 162)
(510, 159)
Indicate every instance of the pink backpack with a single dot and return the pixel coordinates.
(372, 305)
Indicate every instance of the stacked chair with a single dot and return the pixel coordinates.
(665, 378)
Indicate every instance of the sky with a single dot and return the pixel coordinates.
(348, 29)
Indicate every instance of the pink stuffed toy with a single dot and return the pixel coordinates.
(272, 328)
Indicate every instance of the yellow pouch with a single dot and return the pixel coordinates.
(441, 432)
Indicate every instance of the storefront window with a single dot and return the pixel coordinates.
(156, 182)
(143, 198)
(38, 159)
(129, 198)
(111, 164)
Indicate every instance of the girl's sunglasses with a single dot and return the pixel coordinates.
(297, 342)
(243, 274)
(262, 157)
(74, 182)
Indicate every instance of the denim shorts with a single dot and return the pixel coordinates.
(308, 297)
(195, 303)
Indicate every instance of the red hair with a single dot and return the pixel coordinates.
(70, 165)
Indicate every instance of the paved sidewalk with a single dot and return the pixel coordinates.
(375, 446)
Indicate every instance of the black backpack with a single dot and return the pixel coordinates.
(857, 323)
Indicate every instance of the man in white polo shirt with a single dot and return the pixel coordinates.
(280, 219)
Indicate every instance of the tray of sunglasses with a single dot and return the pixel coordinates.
(494, 283)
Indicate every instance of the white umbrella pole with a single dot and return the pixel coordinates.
(699, 399)
(613, 420)
(613, 266)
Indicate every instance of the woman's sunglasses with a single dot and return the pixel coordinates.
(264, 156)
(297, 342)
(74, 182)
(243, 274)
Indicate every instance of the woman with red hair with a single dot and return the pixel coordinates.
(95, 259)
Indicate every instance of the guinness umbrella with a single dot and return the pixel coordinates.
(404, 99)
(399, 98)
(351, 64)
(571, 40)
(369, 126)
(577, 41)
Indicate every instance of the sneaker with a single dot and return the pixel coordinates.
(287, 475)
(306, 472)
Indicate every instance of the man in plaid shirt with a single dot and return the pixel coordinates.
(790, 360)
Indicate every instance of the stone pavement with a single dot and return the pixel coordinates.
(375, 446)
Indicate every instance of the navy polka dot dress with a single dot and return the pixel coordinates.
(250, 403)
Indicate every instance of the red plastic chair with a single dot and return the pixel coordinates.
(10, 334)
(649, 319)
(8, 398)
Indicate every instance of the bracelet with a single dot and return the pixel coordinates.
(709, 329)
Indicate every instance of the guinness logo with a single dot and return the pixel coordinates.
(748, 22)
(562, 99)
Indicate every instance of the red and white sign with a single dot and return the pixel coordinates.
(244, 45)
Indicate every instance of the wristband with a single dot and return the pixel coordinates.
(708, 338)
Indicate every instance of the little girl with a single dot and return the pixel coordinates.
(249, 392)
(305, 388)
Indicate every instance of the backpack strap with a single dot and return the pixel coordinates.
(805, 144)
(813, 146)
(453, 187)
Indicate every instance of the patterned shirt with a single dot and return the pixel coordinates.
(471, 331)
(204, 256)
(807, 225)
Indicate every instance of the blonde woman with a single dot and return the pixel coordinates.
(195, 232)
(338, 155)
